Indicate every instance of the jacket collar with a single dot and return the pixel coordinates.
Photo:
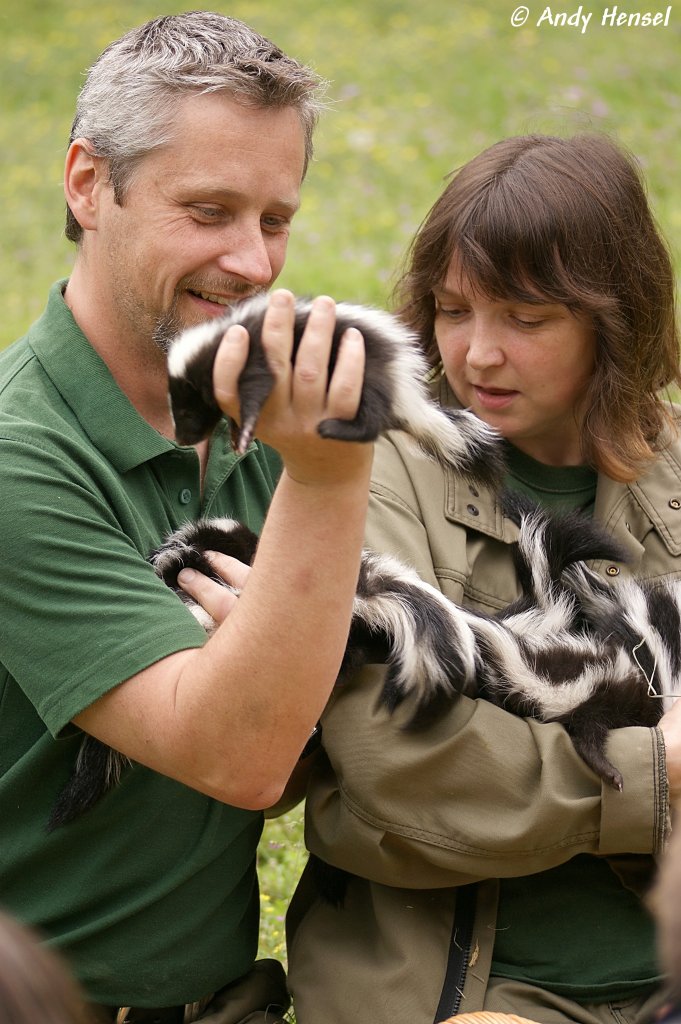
(474, 507)
(629, 511)
(653, 502)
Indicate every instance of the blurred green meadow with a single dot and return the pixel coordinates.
(417, 88)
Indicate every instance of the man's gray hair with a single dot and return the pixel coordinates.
(127, 105)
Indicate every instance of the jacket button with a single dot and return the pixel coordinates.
(612, 570)
(185, 496)
(473, 510)
(675, 503)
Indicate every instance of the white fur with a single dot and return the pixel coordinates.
(190, 344)
(418, 669)
(453, 439)
(502, 651)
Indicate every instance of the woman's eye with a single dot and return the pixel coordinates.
(453, 313)
(522, 322)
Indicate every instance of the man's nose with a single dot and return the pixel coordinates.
(245, 255)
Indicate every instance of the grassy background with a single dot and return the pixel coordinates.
(417, 88)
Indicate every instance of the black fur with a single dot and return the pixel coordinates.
(393, 396)
(571, 649)
(97, 769)
(567, 624)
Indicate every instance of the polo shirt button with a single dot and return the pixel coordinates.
(185, 496)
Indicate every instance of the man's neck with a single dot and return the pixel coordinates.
(136, 363)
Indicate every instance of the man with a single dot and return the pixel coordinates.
(189, 146)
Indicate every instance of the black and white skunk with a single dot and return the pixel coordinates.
(572, 649)
(394, 396)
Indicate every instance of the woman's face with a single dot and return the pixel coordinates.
(521, 367)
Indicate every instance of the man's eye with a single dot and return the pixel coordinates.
(207, 212)
(275, 223)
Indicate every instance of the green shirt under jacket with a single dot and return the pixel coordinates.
(420, 817)
(152, 895)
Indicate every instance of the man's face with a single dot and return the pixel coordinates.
(204, 222)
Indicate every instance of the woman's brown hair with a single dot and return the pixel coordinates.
(565, 220)
(36, 986)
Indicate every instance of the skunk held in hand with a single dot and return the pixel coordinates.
(572, 649)
(394, 396)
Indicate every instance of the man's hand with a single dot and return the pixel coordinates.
(218, 601)
(302, 394)
(231, 717)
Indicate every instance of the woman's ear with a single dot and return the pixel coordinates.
(85, 174)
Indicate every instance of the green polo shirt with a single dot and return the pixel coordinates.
(152, 895)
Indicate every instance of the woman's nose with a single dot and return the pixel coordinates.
(484, 348)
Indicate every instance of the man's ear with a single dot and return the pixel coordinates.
(85, 175)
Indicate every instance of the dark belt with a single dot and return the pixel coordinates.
(143, 1014)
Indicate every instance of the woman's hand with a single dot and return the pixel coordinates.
(670, 725)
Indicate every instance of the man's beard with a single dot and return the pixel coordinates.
(167, 327)
(169, 324)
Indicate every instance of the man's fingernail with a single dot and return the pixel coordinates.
(186, 575)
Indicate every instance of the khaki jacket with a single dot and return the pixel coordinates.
(479, 795)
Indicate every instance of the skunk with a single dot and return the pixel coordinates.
(394, 396)
(571, 649)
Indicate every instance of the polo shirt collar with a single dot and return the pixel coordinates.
(85, 383)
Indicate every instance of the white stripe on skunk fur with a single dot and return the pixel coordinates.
(572, 649)
(394, 395)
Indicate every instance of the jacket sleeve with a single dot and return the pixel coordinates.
(479, 794)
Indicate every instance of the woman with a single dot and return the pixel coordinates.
(491, 869)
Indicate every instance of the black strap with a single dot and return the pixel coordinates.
(459, 953)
